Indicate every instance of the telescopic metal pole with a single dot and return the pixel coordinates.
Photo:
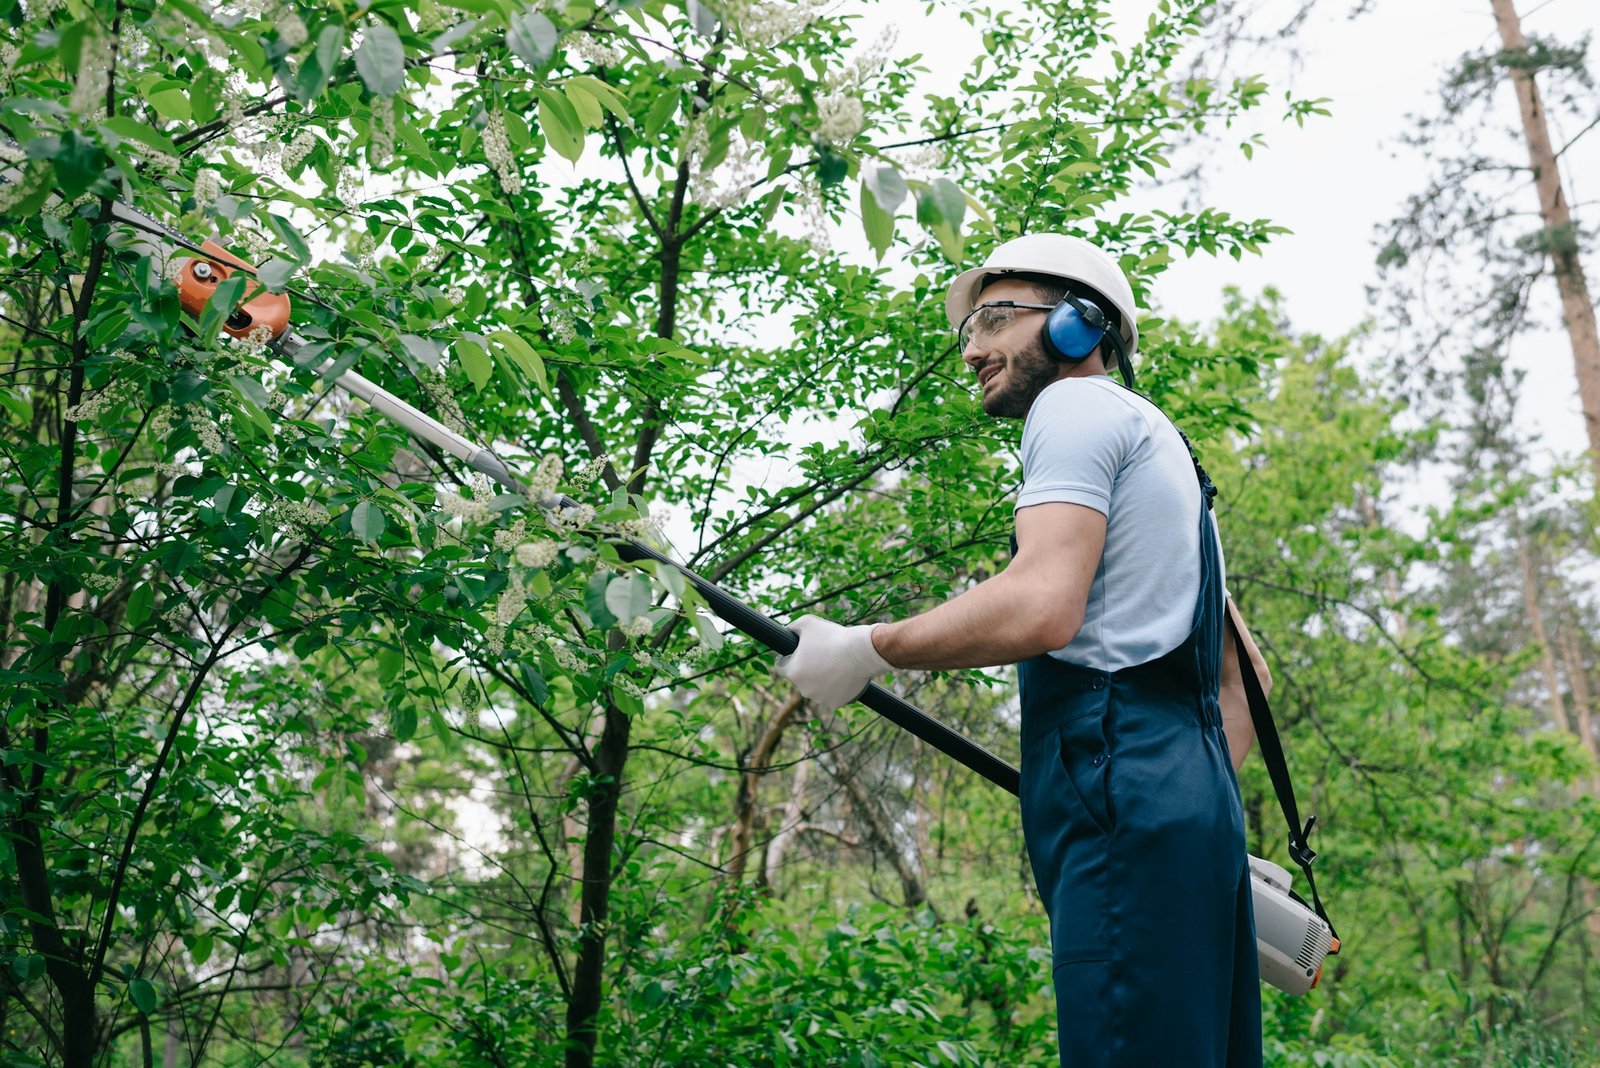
(727, 607)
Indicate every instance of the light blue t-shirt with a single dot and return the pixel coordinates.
(1089, 441)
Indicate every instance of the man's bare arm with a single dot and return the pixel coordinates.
(1236, 722)
(1034, 606)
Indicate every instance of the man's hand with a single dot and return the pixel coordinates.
(832, 665)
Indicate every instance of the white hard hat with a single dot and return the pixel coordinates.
(1063, 256)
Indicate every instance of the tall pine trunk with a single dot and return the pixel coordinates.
(1561, 234)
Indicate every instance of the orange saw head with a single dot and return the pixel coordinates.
(198, 280)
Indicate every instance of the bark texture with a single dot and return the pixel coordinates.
(1561, 234)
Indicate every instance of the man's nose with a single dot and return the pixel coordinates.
(974, 353)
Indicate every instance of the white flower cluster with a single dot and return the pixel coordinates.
(350, 190)
(94, 70)
(646, 528)
(445, 405)
(566, 658)
(762, 23)
(455, 295)
(34, 177)
(292, 29)
(866, 66)
(738, 173)
(512, 601)
(497, 150)
(207, 188)
(210, 435)
(840, 117)
(474, 509)
(295, 152)
(542, 485)
(91, 407)
(628, 686)
(8, 57)
(921, 161)
(590, 470)
(592, 50)
(576, 517)
(559, 322)
(537, 553)
(506, 540)
(382, 130)
(637, 627)
(97, 583)
(294, 518)
(255, 342)
(494, 639)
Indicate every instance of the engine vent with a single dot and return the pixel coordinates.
(1316, 945)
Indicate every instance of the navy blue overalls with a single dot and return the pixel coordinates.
(1132, 817)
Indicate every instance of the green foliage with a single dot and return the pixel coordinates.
(318, 748)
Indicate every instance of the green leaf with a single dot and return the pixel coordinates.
(200, 947)
(532, 37)
(887, 185)
(560, 124)
(28, 968)
(606, 95)
(584, 103)
(403, 720)
(710, 636)
(290, 237)
(140, 601)
(475, 361)
(143, 995)
(940, 207)
(170, 100)
(594, 600)
(381, 59)
(629, 596)
(876, 222)
(124, 127)
(275, 273)
(524, 356)
(367, 521)
(78, 162)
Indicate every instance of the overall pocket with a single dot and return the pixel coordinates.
(1086, 759)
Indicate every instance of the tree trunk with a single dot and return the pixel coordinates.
(1547, 656)
(1561, 234)
(788, 827)
(583, 1009)
(755, 765)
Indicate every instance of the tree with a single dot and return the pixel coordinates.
(538, 224)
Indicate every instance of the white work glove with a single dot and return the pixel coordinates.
(832, 665)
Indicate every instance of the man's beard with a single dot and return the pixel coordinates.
(1027, 372)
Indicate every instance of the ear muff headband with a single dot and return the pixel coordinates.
(1075, 327)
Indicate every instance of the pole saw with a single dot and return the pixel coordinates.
(1293, 938)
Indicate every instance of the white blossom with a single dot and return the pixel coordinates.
(497, 150)
(294, 518)
(298, 149)
(506, 540)
(94, 70)
(592, 50)
(592, 469)
(537, 553)
(628, 686)
(207, 188)
(382, 130)
(566, 658)
(511, 603)
(761, 23)
(292, 29)
(840, 117)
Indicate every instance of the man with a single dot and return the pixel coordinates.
(1134, 717)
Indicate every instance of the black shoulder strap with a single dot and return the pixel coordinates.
(1278, 769)
(1267, 738)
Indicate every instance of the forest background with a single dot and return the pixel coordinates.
(316, 751)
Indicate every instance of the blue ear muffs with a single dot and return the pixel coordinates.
(1073, 328)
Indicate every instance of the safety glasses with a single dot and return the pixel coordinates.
(989, 319)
